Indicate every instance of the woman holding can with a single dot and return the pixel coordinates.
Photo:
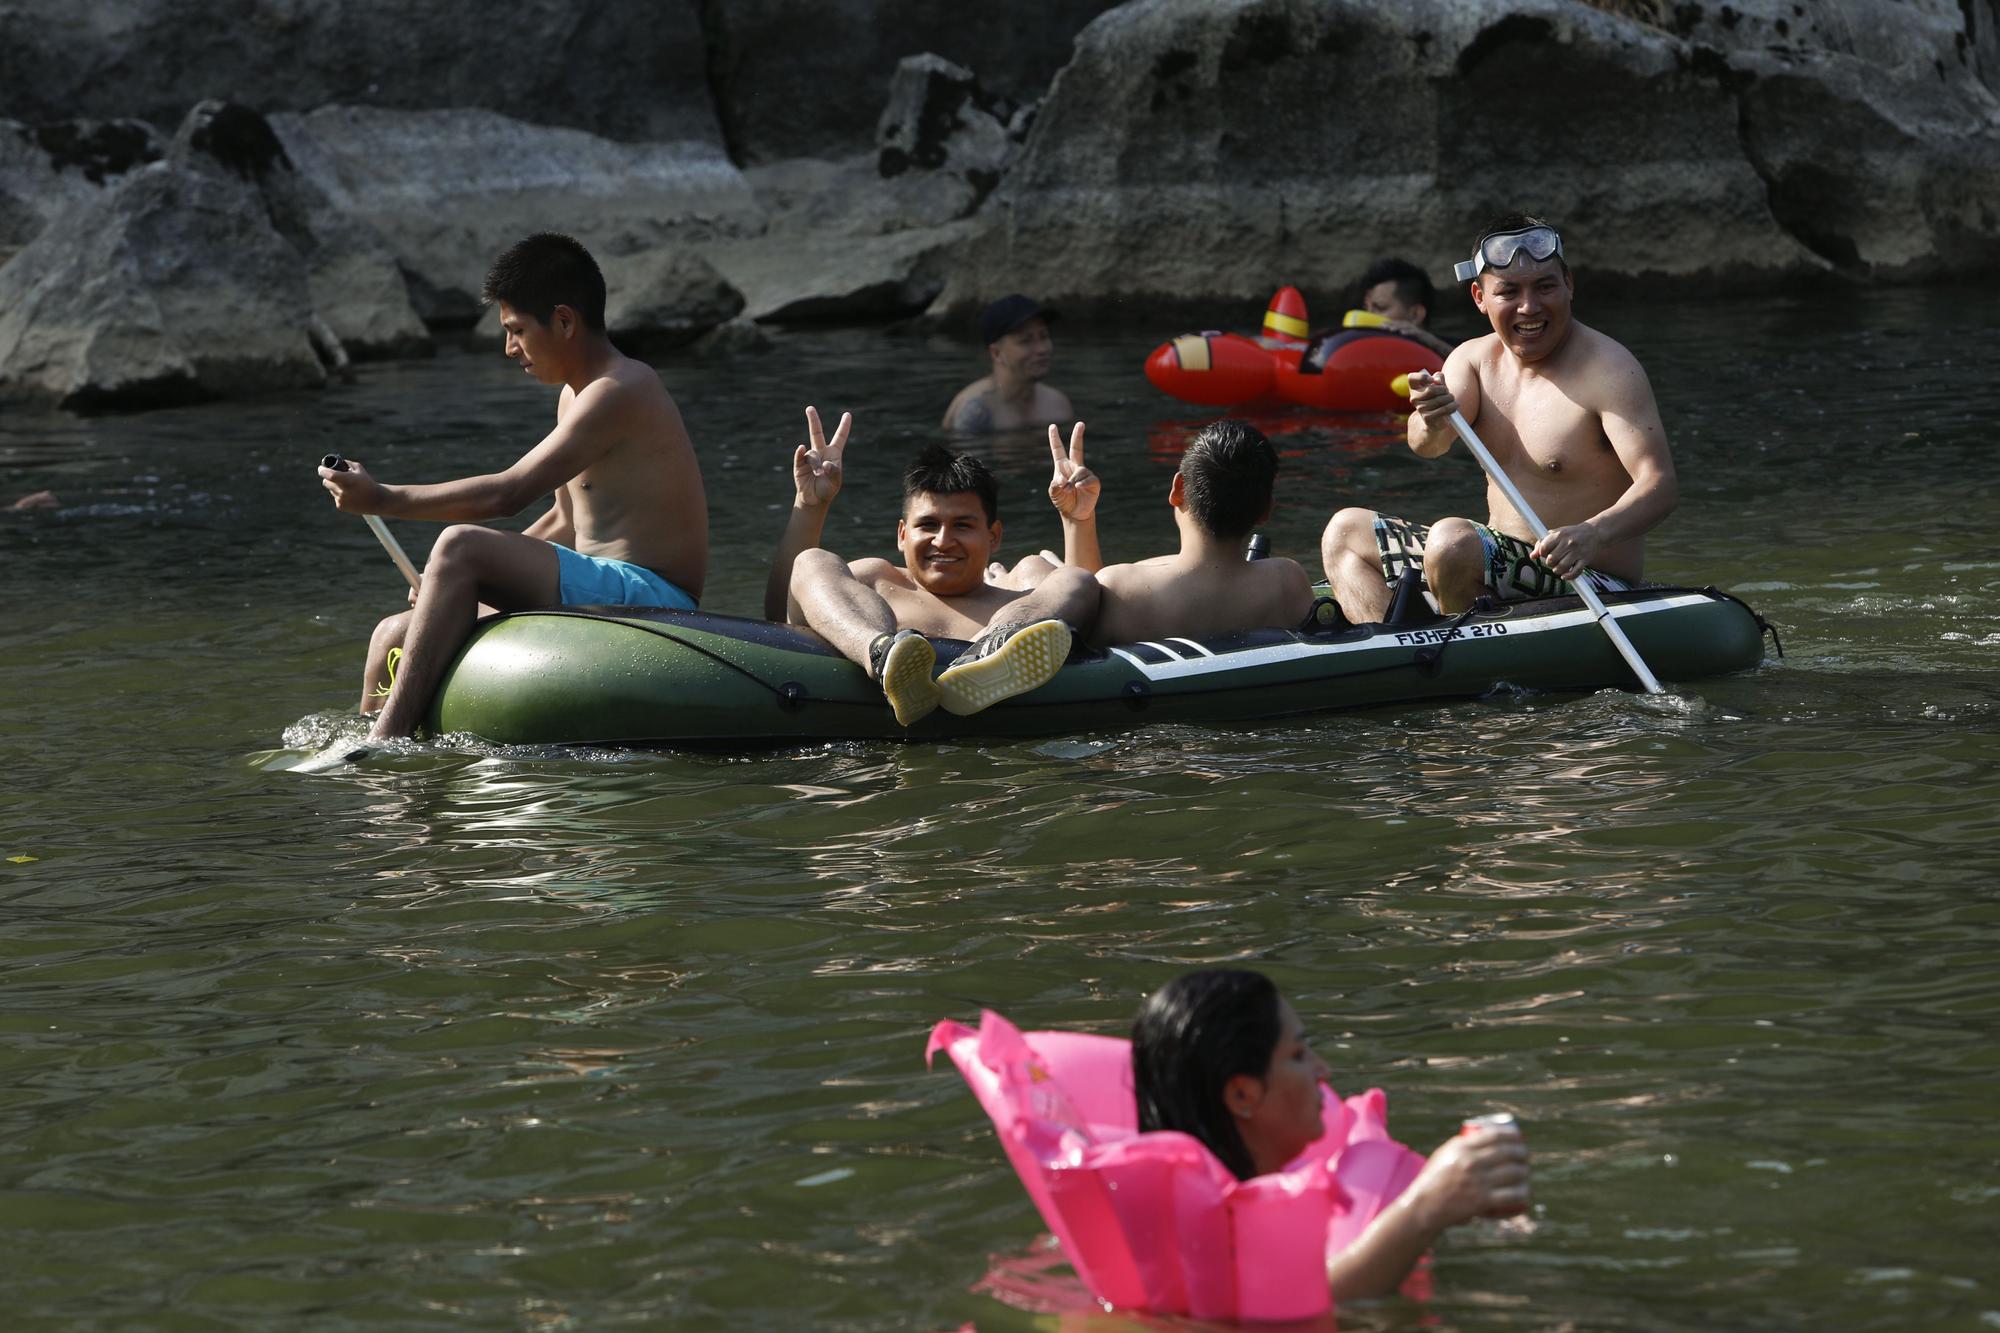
(1222, 1056)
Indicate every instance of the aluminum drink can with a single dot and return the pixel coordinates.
(1498, 1120)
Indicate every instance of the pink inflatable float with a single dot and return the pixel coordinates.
(1154, 1221)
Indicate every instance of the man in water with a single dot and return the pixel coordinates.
(1220, 492)
(629, 526)
(878, 615)
(1401, 293)
(1016, 333)
(1567, 412)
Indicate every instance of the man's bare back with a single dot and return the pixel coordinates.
(1185, 596)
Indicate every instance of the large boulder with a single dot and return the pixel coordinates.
(939, 120)
(666, 297)
(448, 190)
(832, 58)
(626, 71)
(1204, 149)
(352, 278)
(46, 168)
(171, 286)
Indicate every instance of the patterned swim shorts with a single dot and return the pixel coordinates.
(1509, 571)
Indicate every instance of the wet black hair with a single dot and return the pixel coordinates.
(939, 471)
(1226, 477)
(544, 271)
(1413, 285)
(1521, 222)
(1192, 1036)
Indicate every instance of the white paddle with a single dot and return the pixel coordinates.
(1582, 581)
(335, 463)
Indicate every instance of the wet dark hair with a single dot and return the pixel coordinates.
(1413, 285)
(1192, 1036)
(1226, 477)
(1521, 222)
(939, 471)
(544, 271)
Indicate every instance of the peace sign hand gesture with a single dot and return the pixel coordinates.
(1074, 488)
(816, 467)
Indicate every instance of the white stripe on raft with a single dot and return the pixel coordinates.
(1300, 650)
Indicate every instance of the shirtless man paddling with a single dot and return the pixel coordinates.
(629, 525)
(1567, 413)
(880, 615)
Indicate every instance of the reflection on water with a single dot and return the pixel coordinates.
(556, 1038)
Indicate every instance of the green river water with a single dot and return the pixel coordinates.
(473, 1038)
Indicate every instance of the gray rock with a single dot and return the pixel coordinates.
(170, 287)
(627, 71)
(662, 298)
(357, 289)
(825, 277)
(449, 190)
(46, 168)
(1211, 149)
(797, 79)
(939, 120)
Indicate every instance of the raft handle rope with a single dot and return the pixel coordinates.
(1763, 626)
(1430, 657)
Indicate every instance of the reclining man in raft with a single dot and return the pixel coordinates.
(1565, 411)
(878, 615)
(1220, 493)
(629, 526)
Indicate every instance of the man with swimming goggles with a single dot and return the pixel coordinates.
(1568, 414)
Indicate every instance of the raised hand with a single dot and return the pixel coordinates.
(1074, 488)
(816, 465)
(1481, 1174)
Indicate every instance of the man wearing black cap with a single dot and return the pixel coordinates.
(1016, 333)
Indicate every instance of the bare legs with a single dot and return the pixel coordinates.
(1454, 565)
(467, 566)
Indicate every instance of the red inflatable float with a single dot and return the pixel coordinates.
(1351, 370)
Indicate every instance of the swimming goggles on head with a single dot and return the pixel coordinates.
(1498, 249)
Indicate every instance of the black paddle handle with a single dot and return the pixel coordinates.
(333, 463)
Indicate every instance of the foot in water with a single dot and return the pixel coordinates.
(902, 665)
(1002, 663)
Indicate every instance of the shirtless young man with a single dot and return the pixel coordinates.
(1220, 493)
(1567, 412)
(629, 526)
(878, 614)
(1016, 333)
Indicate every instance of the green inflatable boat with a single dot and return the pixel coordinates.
(624, 676)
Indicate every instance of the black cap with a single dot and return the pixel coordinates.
(1008, 313)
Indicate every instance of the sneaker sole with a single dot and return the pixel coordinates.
(906, 679)
(1029, 659)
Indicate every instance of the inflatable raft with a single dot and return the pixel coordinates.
(626, 676)
(1353, 370)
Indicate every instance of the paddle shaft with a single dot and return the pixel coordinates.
(380, 529)
(1582, 580)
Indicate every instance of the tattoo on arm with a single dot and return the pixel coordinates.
(975, 418)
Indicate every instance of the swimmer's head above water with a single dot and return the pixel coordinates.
(1220, 1055)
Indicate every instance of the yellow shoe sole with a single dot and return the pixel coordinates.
(906, 678)
(1030, 658)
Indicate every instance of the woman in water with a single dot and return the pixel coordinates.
(1221, 1055)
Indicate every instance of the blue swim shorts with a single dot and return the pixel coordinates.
(591, 580)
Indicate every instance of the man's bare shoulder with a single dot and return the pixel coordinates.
(970, 397)
(1054, 404)
(1607, 368)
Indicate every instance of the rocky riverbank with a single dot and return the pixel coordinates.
(875, 159)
